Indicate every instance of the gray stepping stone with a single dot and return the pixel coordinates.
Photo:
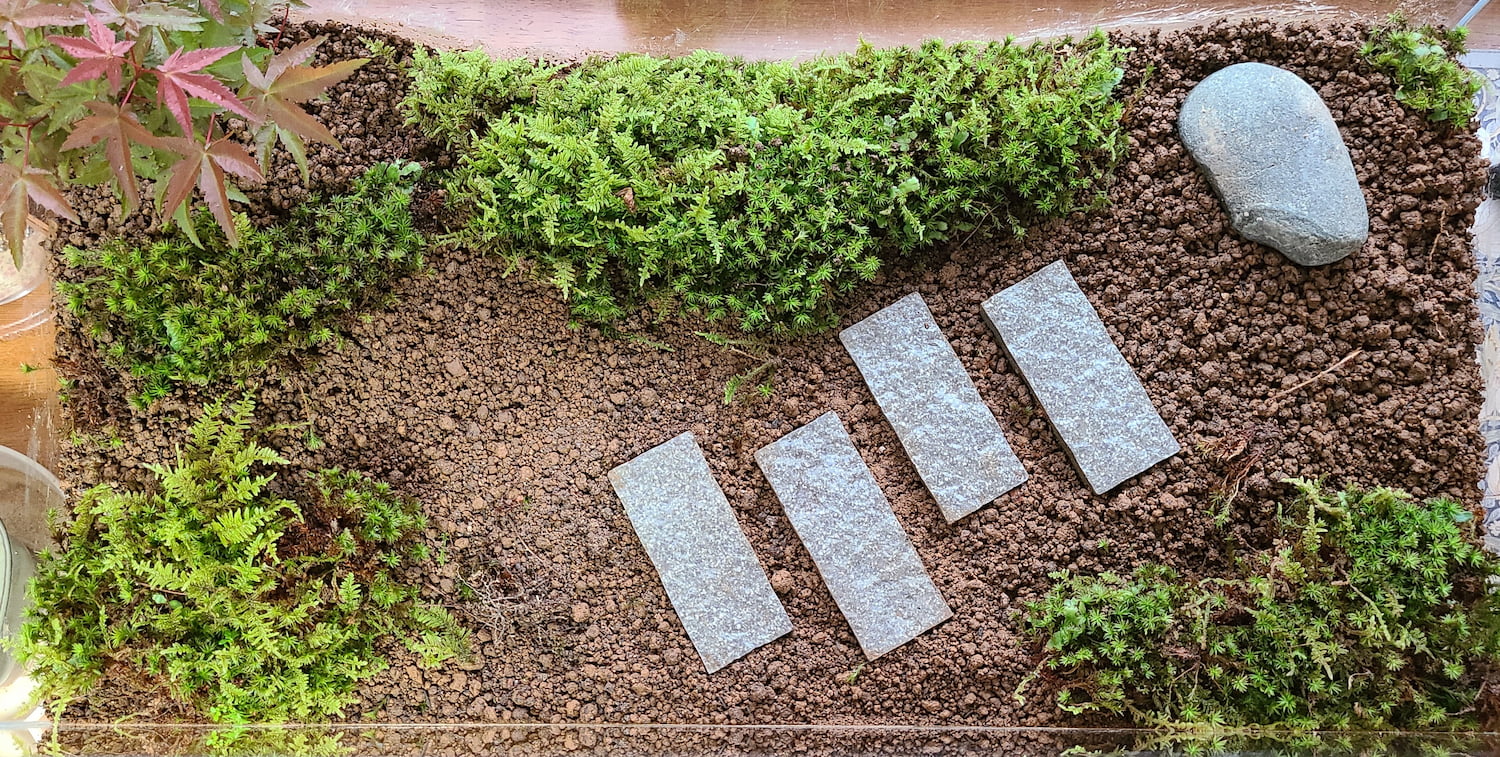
(946, 429)
(841, 516)
(1096, 404)
(1271, 149)
(717, 586)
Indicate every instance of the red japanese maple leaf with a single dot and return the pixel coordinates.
(177, 78)
(203, 165)
(16, 16)
(118, 128)
(19, 187)
(98, 54)
(273, 96)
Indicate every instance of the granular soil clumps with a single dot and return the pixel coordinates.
(476, 396)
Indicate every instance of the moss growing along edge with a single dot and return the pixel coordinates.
(757, 191)
(1423, 61)
(184, 313)
(1374, 612)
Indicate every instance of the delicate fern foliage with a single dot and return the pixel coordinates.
(1374, 612)
(1424, 63)
(180, 313)
(756, 191)
(247, 605)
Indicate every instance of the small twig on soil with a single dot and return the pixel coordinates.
(1438, 237)
(1330, 369)
(977, 225)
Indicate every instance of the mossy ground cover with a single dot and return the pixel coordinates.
(196, 583)
(611, 177)
(1373, 611)
(757, 191)
(189, 310)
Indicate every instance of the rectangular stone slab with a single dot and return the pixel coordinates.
(841, 516)
(717, 586)
(946, 429)
(1093, 399)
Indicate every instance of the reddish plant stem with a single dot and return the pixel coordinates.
(286, 15)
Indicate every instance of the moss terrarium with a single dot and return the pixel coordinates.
(1112, 391)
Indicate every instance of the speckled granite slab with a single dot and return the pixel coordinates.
(946, 429)
(841, 516)
(717, 586)
(1096, 404)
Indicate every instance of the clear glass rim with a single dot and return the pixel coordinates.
(37, 232)
(32, 469)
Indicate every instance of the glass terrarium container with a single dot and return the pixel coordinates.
(16, 283)
(27, 492)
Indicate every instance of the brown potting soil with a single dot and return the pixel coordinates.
(475, 395)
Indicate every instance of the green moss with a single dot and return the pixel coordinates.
(757, 191)
(1374, 612)
(1424, 64)
(179, 313)
(246, 605)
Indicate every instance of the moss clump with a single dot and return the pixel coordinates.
(1374, 612)
(1424, 64)
(248, 606)
(184, 313)
(756, 191)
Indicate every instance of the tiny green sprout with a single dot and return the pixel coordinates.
(854, 674)
(378, 48)
(28, 368)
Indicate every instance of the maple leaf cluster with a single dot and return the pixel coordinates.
(120, 91)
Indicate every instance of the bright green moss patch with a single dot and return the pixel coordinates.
(1424, 63)
(246, 605)
(180, 313)
(1374, 612)
(756, 191)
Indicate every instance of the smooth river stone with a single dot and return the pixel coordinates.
(1095, 403)
(946, 429)
(1272, 151)
(715, 583)
(841, 516)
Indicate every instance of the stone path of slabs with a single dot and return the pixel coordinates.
(1047, 328)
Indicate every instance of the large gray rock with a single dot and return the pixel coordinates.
(946, 429)
(716, 584)
(841, 516)
(1271, 150)
(1096, 404)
